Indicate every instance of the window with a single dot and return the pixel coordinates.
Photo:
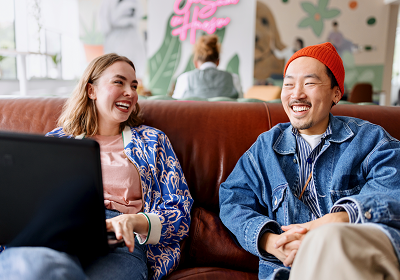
(40, 50)
(7, 40)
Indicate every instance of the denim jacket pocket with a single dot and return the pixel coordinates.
(336, 195)
(278, 195)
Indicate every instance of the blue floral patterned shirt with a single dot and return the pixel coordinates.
(165, 192)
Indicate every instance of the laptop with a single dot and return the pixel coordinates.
(51, 195)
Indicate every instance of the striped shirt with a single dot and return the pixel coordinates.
(307, 157)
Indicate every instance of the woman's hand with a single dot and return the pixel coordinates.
(126, 225)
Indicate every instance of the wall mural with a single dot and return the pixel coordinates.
(120, 26)
(281, 27)
(315, 22)
(267, 34)
(316, 15)
(183, 24)
(162, 66)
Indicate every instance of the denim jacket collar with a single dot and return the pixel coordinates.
(286, 142)
(340, 130)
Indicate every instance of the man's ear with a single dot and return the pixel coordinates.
(90, 90)
(338, 95)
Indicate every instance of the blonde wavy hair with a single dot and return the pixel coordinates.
(79, 112)
(207, 48)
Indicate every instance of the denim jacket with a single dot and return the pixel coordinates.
(165, 192)
(359, 163)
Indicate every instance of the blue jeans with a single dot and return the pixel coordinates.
(31, 263)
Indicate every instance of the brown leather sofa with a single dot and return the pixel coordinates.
(208, 138)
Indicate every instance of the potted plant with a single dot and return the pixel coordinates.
(2, 57)
(92, 41)
(56, 72)
(1, 71)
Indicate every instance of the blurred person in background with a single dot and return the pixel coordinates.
(206, 80)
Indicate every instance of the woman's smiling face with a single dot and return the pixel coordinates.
(115, 96)
(307, 95)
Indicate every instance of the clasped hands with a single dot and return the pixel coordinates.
(285, 246)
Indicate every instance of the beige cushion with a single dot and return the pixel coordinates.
(265, 93)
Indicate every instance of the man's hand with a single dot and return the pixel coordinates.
(285, 245)
(286, 249)
(338, 217)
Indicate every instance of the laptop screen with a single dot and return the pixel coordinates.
(51, 194)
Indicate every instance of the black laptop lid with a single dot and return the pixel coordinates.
(51, 194)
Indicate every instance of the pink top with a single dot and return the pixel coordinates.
(121, 181)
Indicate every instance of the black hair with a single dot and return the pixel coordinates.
(331, 77)
(300, 41)
(334, 82)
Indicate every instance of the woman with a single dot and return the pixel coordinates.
(207, 81)
(145, 191)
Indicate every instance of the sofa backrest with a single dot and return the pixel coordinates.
(208, 137)
(30, 115)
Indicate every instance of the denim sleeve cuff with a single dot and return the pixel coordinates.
(272, 227)
(351, 209)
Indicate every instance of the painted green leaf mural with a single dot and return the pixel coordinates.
(306, 22)
(163, 64)
(317, 15)
(190, 65)
(221, 34)
(331, 13)
(309, 8)
(233, 65)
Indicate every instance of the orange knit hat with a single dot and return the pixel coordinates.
(327, 54)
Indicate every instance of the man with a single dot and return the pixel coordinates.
(317, 198)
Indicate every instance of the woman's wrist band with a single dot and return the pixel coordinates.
(148, 232)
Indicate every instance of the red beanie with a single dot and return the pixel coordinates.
(327, 54)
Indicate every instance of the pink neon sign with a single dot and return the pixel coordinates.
(182, 18)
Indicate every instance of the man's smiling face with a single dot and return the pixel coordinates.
(307, 95)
